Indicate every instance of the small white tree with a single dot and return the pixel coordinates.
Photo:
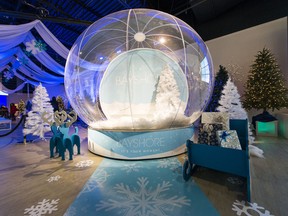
(167, 92)
(34, 123)
(230, 103)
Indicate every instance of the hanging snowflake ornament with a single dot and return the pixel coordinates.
(85, 163)
(8, 75)
(35, 46)
(27, 53)
(143, 201)
(242, 209)
(16, 65)
(42, 208)
(23, 61)
(41, 45)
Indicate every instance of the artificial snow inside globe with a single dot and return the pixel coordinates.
(139, 78)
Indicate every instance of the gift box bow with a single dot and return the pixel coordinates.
(224, 136)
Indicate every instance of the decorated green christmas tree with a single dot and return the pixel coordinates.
(265, 87)
(21, 107)
(60, 102)
(219, 83)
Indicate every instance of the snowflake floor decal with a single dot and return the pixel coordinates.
(245, 208)
(96, 181)
(171, 163)
(144, 200)
(53, 178)
(44, 207)
(70, 212)
(133, 167)
(140, 188)
(84, 163)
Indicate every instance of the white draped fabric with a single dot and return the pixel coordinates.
(9, 91)
(51, 40)
(46, 60)
(11, 36)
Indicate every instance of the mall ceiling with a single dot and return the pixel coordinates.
(67, 19)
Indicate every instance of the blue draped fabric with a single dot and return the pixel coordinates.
(34, 71)
(46, 60)
(11, 36)
(9, 91)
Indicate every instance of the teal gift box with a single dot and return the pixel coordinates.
(228, 139)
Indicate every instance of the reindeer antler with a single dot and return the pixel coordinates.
(60, 117)
(46, 120)
(72, 118)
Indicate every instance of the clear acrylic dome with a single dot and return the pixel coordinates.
(139, 69)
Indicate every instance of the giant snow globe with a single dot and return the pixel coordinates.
(139, 78)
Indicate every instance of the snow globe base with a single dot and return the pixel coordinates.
(138, 145)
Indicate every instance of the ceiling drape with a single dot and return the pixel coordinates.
(14, 58)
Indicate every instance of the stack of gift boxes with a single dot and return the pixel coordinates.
(214, 130)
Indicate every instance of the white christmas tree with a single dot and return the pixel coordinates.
(34, 123)
(230, 103)
(167, 92)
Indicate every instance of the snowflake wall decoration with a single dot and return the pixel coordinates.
(43, 207)
(85, 163)
(144, 200)
(242, 209)
(53, 178)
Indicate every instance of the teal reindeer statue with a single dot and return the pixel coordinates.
(56, 139)
(61, 139)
